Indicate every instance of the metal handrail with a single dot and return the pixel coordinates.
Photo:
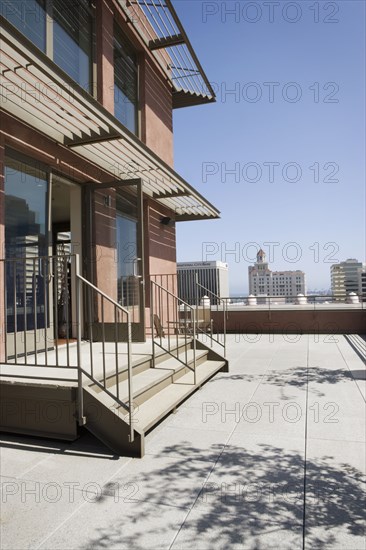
(154, 285)
(101, 293)
(81, 280)
(199, 285)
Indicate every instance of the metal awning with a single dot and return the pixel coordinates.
(40, 94)
(158, 24)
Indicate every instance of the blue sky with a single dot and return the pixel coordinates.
(314, 194)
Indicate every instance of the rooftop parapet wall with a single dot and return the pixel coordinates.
(292, 321)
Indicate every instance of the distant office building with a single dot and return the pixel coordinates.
(264, 282)
(362, 282)
(212, 275)
(348, 276)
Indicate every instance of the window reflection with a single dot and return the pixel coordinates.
(28, 17)
(127, 268)
(125, 84)
(72, 39)
(70, 30)
(25, 237)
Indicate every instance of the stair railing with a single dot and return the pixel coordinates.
(171, 317)
(99, 306)
(207, 309)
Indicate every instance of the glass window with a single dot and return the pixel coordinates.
(127, 283)
(25, 237)
(126, 237)
(25, 209)
(28, 17)
(125, 84)
(72, 39)
(71, 32)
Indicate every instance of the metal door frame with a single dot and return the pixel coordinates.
(138, 329)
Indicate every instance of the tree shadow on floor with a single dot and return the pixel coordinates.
(295, 377)
(253, 498)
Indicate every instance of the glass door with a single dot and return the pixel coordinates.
(28, 273)
(115, 224)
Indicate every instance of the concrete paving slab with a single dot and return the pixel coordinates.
(31, 510)
(205, 530)
(335, 510)
(340, 427)
(201, 417)
(346, 456)
(49, 483)
(334, 538)
(253, 463)
(169, 481)
(264, 427)
(79, 466)
(20, 454)
(118, 524)
(173, 441)
(215, 484)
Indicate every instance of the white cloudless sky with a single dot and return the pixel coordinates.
(282, 151)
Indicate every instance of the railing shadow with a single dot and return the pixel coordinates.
(86, 445)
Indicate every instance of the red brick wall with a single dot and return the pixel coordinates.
(104, 241)
(160, 242)
(155, 103)
(157, 113)
(160, 258)
(105, 71)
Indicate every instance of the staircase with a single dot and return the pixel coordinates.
(157, 392)
(97, 381)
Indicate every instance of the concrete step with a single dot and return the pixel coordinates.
(156, 393)
(161, 355)
(105, 421)
(166, 373)
(150, 381)
(142, 363)
(149, 413)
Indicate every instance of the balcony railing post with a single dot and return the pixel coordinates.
(218, 304)
(130, 386)
(152, 289)
(15, 310)
(194, 345)
(225, 327)
(78, 346)
(197, 283)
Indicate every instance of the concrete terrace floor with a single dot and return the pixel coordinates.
(269, 455)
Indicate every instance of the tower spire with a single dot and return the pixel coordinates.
(261, 256)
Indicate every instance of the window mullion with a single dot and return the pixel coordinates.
(49, 28)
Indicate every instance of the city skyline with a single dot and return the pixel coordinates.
(282, 150)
